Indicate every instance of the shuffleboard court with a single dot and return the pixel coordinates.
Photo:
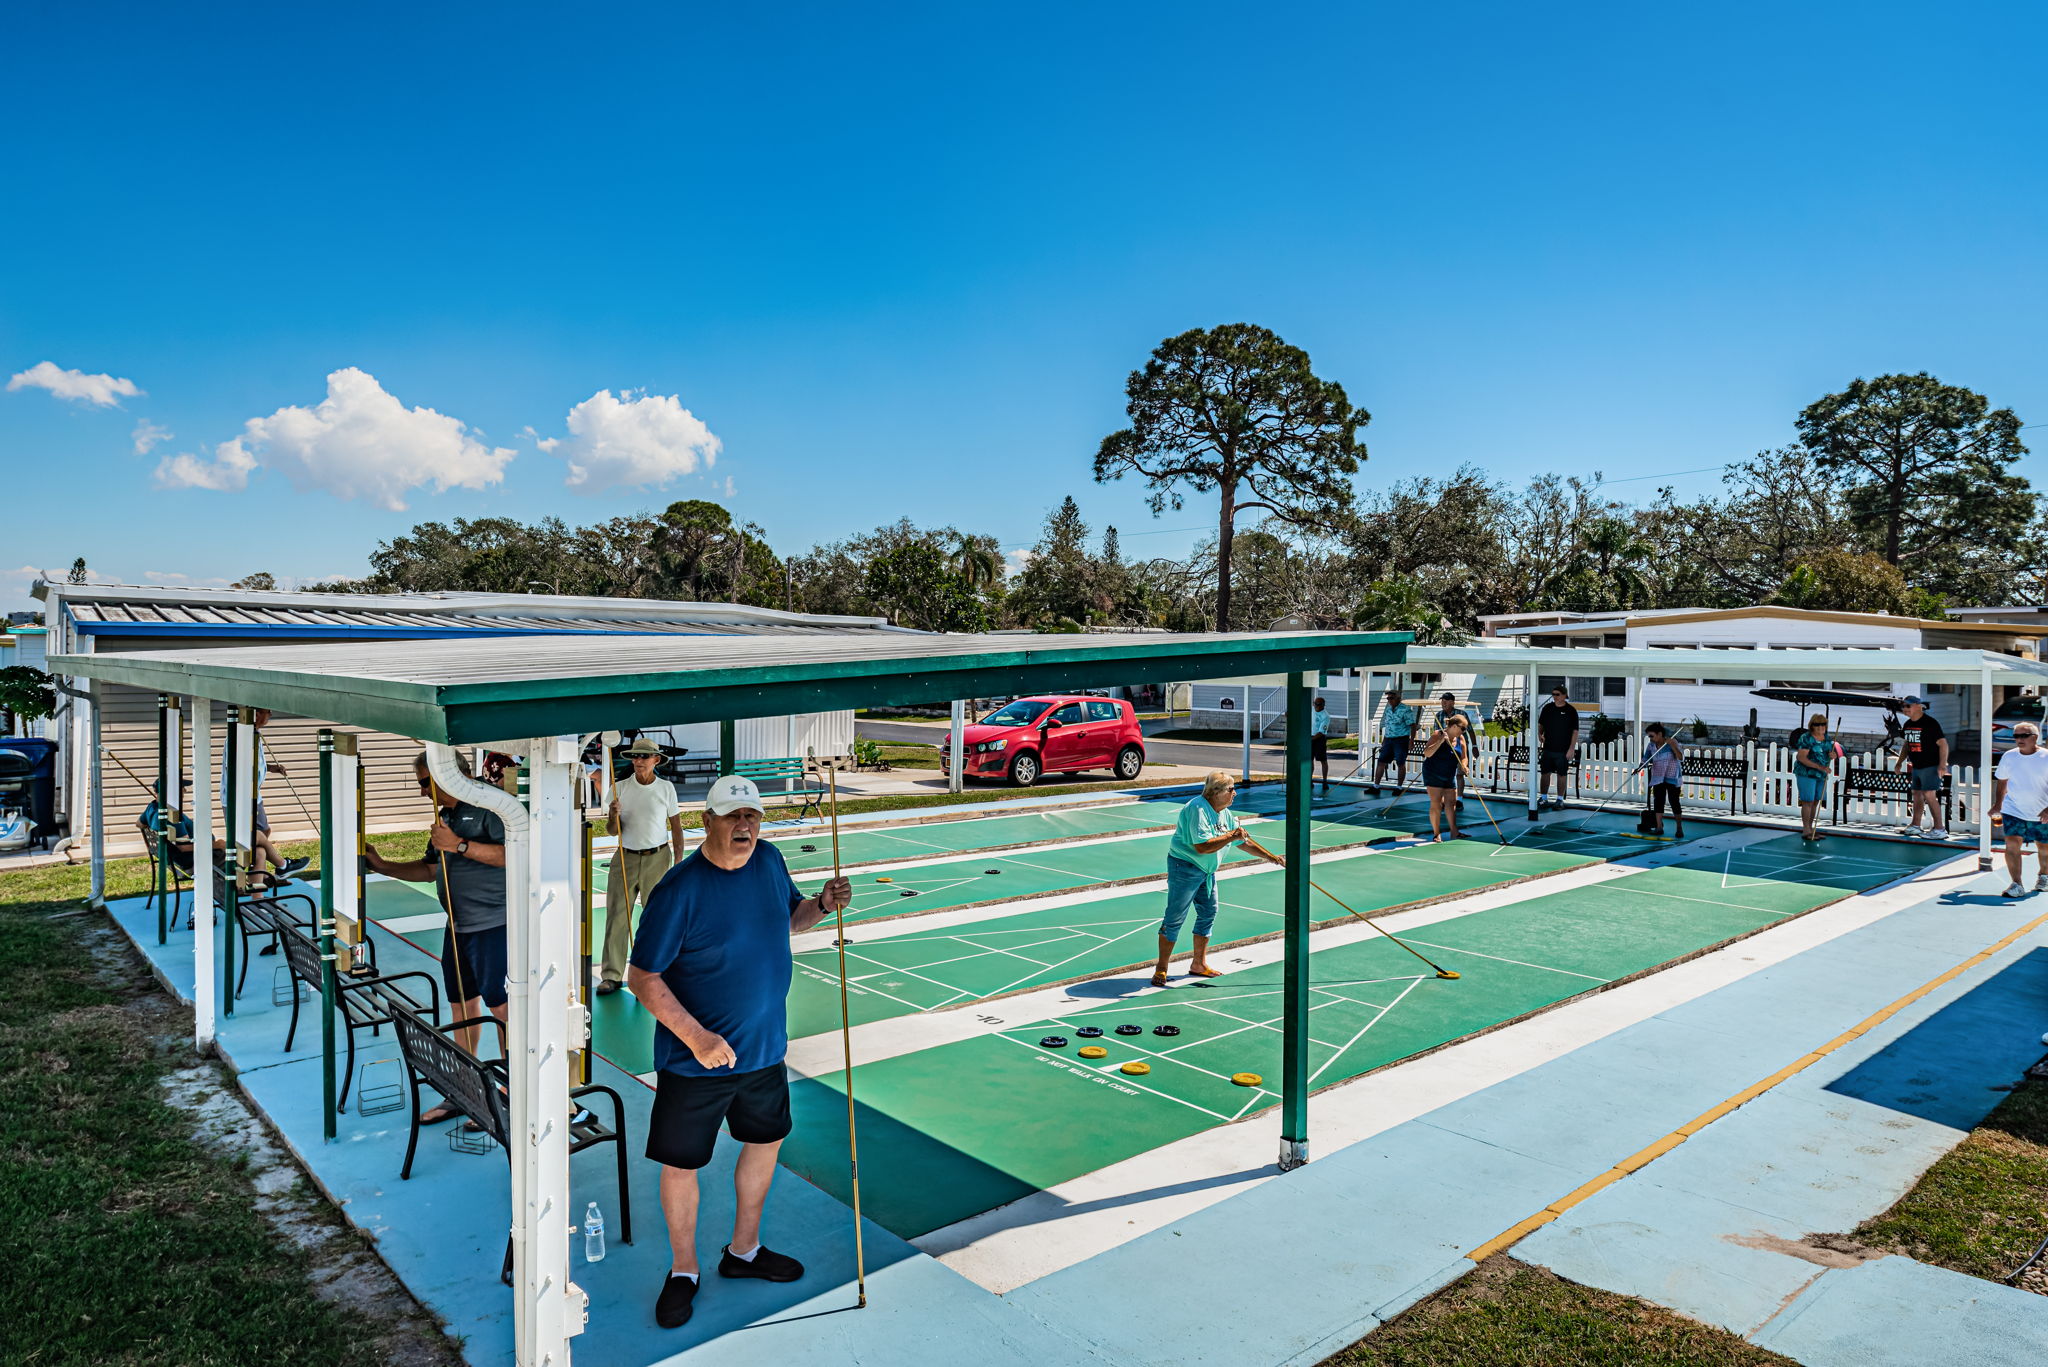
(931, 970)
(965, 1126)
(922, 840)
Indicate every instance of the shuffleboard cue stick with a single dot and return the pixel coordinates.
(860, 1275)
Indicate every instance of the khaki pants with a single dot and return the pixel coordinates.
(630, 878)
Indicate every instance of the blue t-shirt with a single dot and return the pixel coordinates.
(720, 939)
(1319, 723)
(181, 829)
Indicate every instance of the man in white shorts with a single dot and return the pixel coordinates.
(648, 820)
(2020, 790)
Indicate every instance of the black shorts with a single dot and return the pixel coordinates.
(1394, 750)
(483, 966)
(682, 1129)
(259, 816)
(1318, 747)
(1555, 762)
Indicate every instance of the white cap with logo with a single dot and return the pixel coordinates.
(731, 794)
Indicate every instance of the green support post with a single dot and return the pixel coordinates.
(160, 876)
(327, 981)
(1295, 924)
(727, 747)
(231, 865)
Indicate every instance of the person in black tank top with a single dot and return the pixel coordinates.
(1442, 762)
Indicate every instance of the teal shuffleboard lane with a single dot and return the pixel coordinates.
(921, 840)
(930, 970)
(968, 1125)
(1017, 875)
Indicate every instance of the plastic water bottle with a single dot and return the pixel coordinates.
(593, 1234)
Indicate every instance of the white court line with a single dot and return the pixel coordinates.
(1346, 1048)
(406, 925)
(1127, 1081)
(1522, 963)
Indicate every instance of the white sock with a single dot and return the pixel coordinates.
(691, 1275)
(746, 1257)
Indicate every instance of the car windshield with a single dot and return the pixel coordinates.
(1022, 712)
(2016, 709)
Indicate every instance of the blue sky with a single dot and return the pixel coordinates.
(897, 261)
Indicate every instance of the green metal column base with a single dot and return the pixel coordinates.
(1295, 921)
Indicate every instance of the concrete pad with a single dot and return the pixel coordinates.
(1293, 1269)
(1896, 1312)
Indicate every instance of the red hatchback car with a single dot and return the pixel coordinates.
(1055, 734)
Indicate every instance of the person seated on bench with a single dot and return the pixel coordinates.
(465, 860)
(178, 827)
(260, 841)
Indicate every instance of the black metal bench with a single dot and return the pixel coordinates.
(1719, 769)
(476, 1089)
(1886, 785)
(362, 1000)
(1517, 757)
(260, 916)
(167, 878)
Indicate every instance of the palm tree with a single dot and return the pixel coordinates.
(979, 564)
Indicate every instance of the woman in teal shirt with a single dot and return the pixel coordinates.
(1206, 825)
(1813, 755)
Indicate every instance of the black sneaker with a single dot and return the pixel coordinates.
(766, 1264)
(672, 1306)
(607, 987)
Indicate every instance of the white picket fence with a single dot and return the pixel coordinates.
(1769, 789)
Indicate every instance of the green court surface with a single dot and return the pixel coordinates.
(929, 970)
(922, 840)
(960, 1128)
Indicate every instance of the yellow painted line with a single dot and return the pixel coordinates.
(1649, 1153)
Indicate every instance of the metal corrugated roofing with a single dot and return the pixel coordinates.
(464, 691)
(93, 618)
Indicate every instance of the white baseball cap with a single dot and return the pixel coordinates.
(731, 794)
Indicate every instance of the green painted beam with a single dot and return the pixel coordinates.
(463, 692)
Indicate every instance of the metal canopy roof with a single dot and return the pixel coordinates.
(469, 691)
(1896, 666)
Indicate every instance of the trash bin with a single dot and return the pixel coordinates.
(28, 783)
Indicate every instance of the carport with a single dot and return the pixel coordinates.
(541, 705)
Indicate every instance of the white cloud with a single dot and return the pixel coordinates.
(641, 441)
(358, 442)
(102, 391)
(1019, 558)
(148, 435)
(225, 473)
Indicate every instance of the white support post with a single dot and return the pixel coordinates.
(241, 786)
(205, 995)
(345, 822)
(1984, 772)
(956, 768)
(1530, 737)
(1246, 722)
(1635, 728)
(96, 776)
(544, 1023)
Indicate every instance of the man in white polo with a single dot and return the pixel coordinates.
(648, 820)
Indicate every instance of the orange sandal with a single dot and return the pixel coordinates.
(1205, 972)
(1159, 980)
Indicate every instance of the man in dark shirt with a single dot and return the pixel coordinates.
(1557, 739)
(1923, 755)
(465, 860)
(712, 964)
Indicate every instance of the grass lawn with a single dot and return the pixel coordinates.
(1506, 1313)
(1983, 1207)
(126, 1240)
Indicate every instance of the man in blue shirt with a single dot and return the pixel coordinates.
(1397, 730)
(712, 965)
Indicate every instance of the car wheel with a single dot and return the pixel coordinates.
(1129, 762)
(1024, 770)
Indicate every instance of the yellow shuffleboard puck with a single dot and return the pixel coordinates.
(1246, 1079)
(1093, 1051)
(1136, 1068)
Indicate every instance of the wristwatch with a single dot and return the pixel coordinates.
(462, 847)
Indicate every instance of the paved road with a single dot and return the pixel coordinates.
(1266, 759)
